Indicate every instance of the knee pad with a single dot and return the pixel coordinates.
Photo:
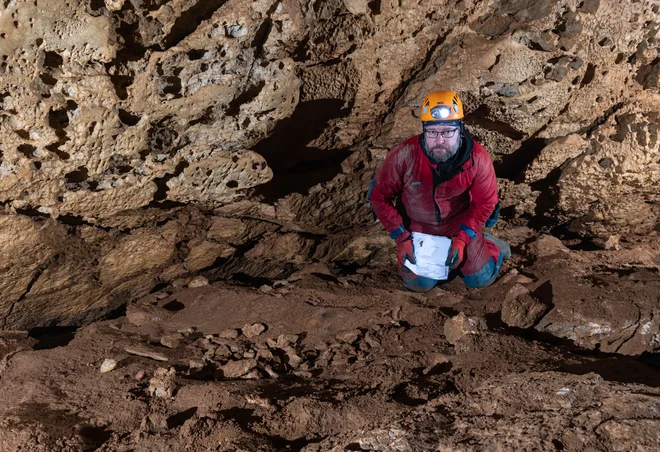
(485, 275)
(420, 284)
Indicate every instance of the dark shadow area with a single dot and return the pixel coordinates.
(495, 324)
(158, 287)
(177, 420)
(128, 118)
(447, 311)
(424, 388)
(115, 314)
(32, 212)
(174, 306)
(643, 369)
(288, 386)
(250, 281)
(512, 165)
(94, 437)
(245, 97)
(52, 336)
(189, 20)
(242, 416)
(620, 368)
(297, 167)
(71, 220)
(585, 244)
(543, 293)
(160, 197)
(296, 444)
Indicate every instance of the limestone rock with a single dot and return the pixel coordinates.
(292, 358)
(218, 179)
(284, 340)
(598, 411)
(520, 308)
(348, 336)
(356, 6)
(171, 340)
(204, 254)
(108, 365)
(459, 326)
(384, 439)
(198, 281)
(144, 250)
(229, 334)
(609, 243)
(588, 309)
(114, 5)
(117, 119)
(253, 330)
(519, 198)
(236, 369)
(140, 315)
(163, 384)
(554, 155)
(229, 229)
(546, 246)
(607, 189)
(140, 350)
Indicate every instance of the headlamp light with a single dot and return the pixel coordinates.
(441, 112)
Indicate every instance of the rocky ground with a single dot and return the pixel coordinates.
(556, 355)
(148, 148)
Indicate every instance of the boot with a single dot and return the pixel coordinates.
(501, 244)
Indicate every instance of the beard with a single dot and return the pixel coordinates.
(442, 152)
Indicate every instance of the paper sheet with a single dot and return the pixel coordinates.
(431, 252)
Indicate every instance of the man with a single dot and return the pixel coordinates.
(446, 185)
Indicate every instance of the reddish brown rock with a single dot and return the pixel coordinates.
(520, 308)
(236, 369)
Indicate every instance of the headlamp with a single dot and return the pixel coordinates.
(441, 112)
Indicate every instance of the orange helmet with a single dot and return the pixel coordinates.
(441, 106)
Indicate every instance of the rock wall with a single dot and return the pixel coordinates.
(142, 141)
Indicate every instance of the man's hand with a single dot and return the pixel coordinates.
(456, 253)
(404, 250)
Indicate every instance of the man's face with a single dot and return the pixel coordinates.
(442, 142)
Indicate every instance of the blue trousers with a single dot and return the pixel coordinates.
(483, 277)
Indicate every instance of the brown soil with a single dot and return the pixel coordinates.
(347, 362)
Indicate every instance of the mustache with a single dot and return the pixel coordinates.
(440, 146)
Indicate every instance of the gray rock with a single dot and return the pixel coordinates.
(235, 31)
(509, 91)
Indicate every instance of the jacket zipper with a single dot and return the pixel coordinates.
(435, 204)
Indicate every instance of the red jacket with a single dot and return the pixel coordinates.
(458, 207)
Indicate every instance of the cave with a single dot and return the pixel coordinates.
(190, 258)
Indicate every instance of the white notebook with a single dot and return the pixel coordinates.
(431, 252)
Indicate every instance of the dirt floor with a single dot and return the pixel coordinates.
(331, 361)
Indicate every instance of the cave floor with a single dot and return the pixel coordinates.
(321, 362)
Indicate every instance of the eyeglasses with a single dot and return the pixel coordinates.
(444, 133)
